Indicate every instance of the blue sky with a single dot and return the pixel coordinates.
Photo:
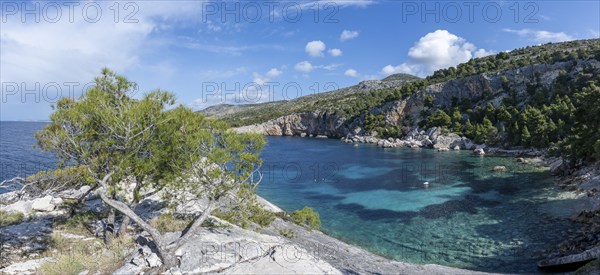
(211, 52)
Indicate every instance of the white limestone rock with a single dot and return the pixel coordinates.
(44, 204)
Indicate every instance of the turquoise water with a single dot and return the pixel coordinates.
(468, 216)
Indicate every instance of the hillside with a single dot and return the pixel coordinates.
(239, 115)
(544, 96)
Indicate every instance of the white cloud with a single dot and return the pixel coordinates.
(436, 50)
(541, 36)
(304, 66)
(347, 35)
(335, 52)
(482, 53)
(329, 67)
(274, 72)
(315, 48)
(351, 73)
(261, 80)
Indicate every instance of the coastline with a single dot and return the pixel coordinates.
(317, 251)
(348, 258)
(351, 259)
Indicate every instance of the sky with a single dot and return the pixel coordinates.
(214, 52)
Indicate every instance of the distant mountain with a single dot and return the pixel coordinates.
(245, 114)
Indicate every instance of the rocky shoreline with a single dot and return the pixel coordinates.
(584, 181)
(223, 248)
(25, 244)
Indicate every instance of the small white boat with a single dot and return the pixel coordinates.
(426, 183)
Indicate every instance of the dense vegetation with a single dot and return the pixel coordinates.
(351, 102)
(563, 117)
(566, 119)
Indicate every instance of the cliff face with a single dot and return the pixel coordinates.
(310, 123)
(480, 88)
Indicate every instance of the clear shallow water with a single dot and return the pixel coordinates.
(468, 216)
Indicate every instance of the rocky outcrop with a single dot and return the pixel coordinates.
(312, 123)
(585, 256)
(417, 138)
(559, 167)
(25, 268)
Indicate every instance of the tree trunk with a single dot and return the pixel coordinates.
(109, 231)
(186, 235)
(161, 245)
(134, 204)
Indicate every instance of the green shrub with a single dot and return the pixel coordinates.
(10, 218)
(261, 216)
(306, 217)
(243, 218)
(288, 233)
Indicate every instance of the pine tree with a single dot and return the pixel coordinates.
(525, 136)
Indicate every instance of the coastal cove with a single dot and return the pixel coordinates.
(467, 216)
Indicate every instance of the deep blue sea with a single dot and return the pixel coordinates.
(467, 216)
(18, 157)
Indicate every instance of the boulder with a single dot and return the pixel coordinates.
(388, 144)
(9, 198)
(559, 167)
(468, 144)
(23, 206)
(456, 148)
(44, 204)
(84, 189)
(500, 168)
(434, 133)
(479, 151)
(448, 141)
(24, 268)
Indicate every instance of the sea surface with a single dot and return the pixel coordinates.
(467, 216)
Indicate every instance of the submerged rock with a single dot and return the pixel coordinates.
(500, 168)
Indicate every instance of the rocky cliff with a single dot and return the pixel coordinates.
(479, 88)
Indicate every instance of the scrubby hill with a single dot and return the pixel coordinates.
(239, 115)
(545, 96)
